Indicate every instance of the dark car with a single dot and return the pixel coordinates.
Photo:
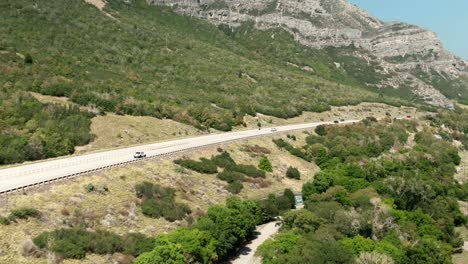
(336, 121)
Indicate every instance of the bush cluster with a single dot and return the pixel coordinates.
(202, 166)
(160, 202)
(217, 235)
(282, 144)
(233, 173)
(293, 173)
(20, 213)
(265, 164)
(75, 243)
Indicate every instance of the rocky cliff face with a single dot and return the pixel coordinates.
(402, 49)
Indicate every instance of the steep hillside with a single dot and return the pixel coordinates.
(128, 57)
(414, 57)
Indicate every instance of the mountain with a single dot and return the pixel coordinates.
(206, 64)
(414, 57)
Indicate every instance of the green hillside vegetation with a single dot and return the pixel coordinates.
(456, 121)
(30, 130)
(150, 61)
(368, 203)
(211, 239)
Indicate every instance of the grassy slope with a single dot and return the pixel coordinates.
(95, 210)
(149, 61)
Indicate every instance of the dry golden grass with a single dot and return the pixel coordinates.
(359, 111)
(118, 211)
(460, 258)
(113, 131)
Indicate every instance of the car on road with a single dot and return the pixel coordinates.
(273, 129)
(336, 121)
(139, 155)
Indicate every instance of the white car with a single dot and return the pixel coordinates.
(273, 129)
(139, 155)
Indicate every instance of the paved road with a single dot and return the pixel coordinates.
(247, 254)
(22, 176)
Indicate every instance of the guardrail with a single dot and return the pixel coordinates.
(65, 177)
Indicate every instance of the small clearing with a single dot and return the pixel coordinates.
(100, 4)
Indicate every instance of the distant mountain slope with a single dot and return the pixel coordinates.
(415, 57)
(131, 58)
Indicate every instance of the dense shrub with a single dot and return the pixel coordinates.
(230, 176)
(202, 166)
(20, 213)
(321, 130)
(230, 225)
(136, 243)
(4, 220)
(248, 170)
(357, 141)
(274, 205)
(293, 173)
(75, 243)
(223, 160)
(160, 202)
(24, 213)
(265, 164)
(294, 151)
(42, 131)
(235, 187)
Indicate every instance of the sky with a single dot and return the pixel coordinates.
(448, 18)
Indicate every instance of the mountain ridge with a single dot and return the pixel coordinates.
(400, 48)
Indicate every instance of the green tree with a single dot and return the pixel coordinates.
(359, 244)
(265, 164)
(164, 252)
(235, 187)
(429, 251)
(272, 249)
(197, 246)
(293, 173)
(302, 221)
(321, 130)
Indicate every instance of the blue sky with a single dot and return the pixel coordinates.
(448, 18)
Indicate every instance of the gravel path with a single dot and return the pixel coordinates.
(247, 254)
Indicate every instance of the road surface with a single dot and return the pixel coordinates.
(14, 178)
(247, 254)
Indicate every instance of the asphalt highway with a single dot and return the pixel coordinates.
(17, 177)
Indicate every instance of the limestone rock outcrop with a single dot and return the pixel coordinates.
(398, 47)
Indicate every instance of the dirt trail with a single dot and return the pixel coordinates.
(100, 4)
(247, 254)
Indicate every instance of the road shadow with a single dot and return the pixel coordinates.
(243, 250)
